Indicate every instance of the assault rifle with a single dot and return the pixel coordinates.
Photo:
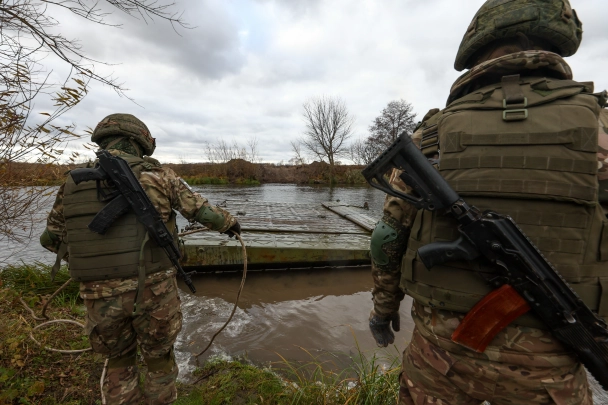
(128, 194)
(525, 277)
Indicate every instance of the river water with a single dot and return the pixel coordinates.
(290, 314)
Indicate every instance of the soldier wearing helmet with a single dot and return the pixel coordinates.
(108, 266)
(519, 136)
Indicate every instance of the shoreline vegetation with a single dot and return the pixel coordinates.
(235, 171)
(30, 374)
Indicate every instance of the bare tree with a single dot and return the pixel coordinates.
(29, 32)
(221, 151)
(362, 152)
(328, 127)
(254, 153)
(395, 118)
(298, 158)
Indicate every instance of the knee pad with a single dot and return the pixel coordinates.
(388, 243)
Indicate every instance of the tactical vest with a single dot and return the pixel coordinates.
(534, 161)
(117, 253)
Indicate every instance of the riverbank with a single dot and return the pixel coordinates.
(30, 374)
(236, 171)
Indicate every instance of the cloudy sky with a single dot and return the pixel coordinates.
(249, 65)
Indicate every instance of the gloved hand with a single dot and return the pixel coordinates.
(381, 328)
(236, 228)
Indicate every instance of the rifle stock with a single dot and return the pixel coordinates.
(521, 265)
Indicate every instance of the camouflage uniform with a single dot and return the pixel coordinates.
(522, 364)
(113, 329)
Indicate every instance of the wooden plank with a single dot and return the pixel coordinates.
(354, 214)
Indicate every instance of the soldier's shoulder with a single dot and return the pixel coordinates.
(429, 119)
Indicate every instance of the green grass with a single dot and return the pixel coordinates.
(35, 279)
(368, 381)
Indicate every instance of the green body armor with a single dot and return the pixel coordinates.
(534, 160)
(117, 253)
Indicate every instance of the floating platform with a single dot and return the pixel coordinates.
(284, 236)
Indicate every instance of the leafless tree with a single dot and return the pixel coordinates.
(254, 153)
(362, 152)
(29, 33)
(328, 127)
(298, 158)
(394, 119)
(221, 151)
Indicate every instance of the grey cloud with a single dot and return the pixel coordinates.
(210, 50)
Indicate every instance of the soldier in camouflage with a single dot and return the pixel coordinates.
(524, 364)
(126, 313)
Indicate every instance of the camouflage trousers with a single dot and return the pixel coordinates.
(116, 332)
(522, 365)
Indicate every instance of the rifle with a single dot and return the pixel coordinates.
(528, 280)
(128, 194)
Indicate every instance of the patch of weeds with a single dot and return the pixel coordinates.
(223, 382)
(29, 374)
(35, 279)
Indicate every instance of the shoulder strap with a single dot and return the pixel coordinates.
(63, 249)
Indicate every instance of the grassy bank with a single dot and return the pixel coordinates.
(233, 172)
(30, 374)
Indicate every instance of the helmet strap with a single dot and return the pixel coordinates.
(114, 142)
(136, 146)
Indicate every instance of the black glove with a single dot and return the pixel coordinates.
(236, 228)
(381, 328)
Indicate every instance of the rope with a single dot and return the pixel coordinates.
(238, 295)
(103, 377)
(46, 304)
(45, 318)
(58, 350)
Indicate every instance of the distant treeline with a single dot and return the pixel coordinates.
(236, 171)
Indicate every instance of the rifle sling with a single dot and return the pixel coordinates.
(141, 276)
(63, 249)
(110, 213)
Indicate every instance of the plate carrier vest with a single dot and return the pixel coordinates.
(534, 160)
(117, 253)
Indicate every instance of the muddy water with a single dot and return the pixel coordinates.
(320, 313)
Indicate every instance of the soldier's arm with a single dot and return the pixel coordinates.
(55, 231)
(388, 244)
(195, 207)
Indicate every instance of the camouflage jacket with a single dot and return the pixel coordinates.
(386, 292)
(167, 192)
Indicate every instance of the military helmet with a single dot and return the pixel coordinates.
(126, 125)
(553, 21)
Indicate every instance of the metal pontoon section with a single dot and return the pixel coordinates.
(283, 236)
